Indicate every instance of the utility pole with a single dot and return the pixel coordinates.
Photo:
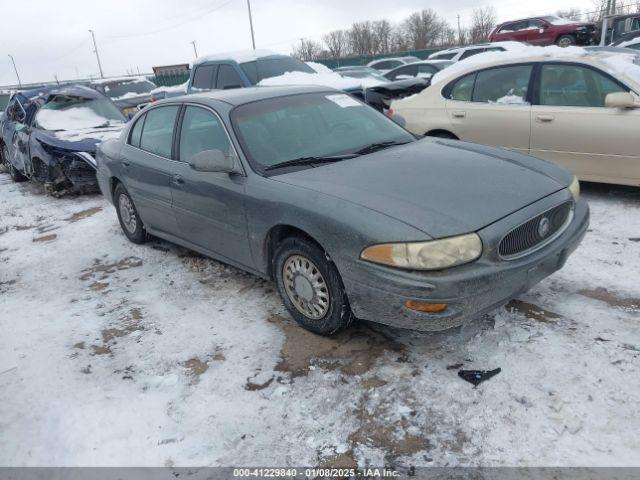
(95, 49)
(16, 70)
(56, 77)
(459, 31)
(253, 39)
(195, 52)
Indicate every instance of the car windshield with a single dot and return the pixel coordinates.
(67, 112)
(262, 68)
(553, 20)
(117, 90)
(282, 129)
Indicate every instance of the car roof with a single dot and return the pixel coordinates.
(240, 96)
(240, 56)
(576, 55)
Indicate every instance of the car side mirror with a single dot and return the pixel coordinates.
(213, 161)
(621, 100)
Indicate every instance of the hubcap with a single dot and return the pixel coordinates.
(305, 287)
(127, 213)
(565, 42)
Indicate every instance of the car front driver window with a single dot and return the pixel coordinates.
(201, 130)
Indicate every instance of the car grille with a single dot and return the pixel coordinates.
(536, 232)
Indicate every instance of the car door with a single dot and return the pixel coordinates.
(537, 33)
(492, 106)
(209, 206)
(571, 125)
(146, 167)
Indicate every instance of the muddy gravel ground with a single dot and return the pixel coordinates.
(118, 354)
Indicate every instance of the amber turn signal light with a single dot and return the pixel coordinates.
(425, 307)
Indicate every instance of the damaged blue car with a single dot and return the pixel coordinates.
(50, 136)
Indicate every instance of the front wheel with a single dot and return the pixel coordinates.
(130, 221)
(565, 41)
(311, 287)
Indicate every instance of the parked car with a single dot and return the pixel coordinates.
(622, 27)
(422, 69)
(50, 136)
(349, 214)
(385, 64)
(128, 93)
(631, 41)
(547, 30)
(580, 109)
(374, 76)
(460, 53)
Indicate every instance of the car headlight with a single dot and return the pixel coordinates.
(574, 188)
(431, 255)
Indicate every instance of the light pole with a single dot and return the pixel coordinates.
(95, 49)
(16, 70)
(253, 39)
(195, 52)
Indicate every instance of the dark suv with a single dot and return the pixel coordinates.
(548, 30)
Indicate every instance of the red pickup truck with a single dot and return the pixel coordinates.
(548, 30)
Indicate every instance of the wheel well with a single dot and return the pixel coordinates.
(276, 235)
(113, 183)
(441, 133)
(573, 35)
(40, 169)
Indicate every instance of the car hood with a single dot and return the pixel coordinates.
(132, 100)
(80, 140)
(441, 187)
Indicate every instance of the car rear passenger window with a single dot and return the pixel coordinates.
(426, 71)
(404, 72)
(463, 89)
(575, 86)
(201, 130)
(505, 85)
(471, 52)
(203, 77)
(228, 78)
(157, 134)
(136, 132)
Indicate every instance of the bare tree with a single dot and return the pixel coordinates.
(424, 29)
(484, 19)
(574, 14)
(337, 43)
(307, 50)
(382, 36)
(361, 38)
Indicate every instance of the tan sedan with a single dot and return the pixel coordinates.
(580, 110)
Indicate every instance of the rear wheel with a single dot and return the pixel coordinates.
(130, 221)
(311, 287)
(565, 41)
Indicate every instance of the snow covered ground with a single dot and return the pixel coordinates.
(118, 354)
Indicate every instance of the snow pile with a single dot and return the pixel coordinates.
(170, 91)
(629, 43)
(77, 118)
(324, 79)
(319, 68)
(100, 134)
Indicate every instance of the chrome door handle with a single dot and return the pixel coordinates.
(459, 114)
(177, 179)
(545, 118)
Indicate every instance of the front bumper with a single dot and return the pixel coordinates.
(378, 293)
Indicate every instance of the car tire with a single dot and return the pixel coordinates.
(565, 41)
(130, 221)
(310, 287)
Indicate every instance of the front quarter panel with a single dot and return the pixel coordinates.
(109, 165)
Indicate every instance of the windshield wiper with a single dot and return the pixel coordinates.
(310, 161)
(374, 147)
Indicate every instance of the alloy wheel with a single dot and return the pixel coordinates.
(127, 213)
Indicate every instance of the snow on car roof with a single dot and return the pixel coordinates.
(239, 56)
(330, 79)
(103, 81)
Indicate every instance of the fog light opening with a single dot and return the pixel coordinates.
(425, 306)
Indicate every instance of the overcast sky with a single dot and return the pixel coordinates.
(50, 38)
